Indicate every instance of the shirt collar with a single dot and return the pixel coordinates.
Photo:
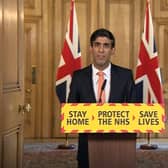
(106, 70)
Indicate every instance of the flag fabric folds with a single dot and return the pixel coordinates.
(70, 57)
(148, 77)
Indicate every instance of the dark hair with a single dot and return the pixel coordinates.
(102, 33)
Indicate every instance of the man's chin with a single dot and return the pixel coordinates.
(102, 64)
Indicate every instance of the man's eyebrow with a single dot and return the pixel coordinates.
(100, 42)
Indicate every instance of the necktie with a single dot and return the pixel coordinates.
(100, 83)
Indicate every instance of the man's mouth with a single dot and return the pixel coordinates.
(100, 56)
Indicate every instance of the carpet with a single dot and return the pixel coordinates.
(46, 155)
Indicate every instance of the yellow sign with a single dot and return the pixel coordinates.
(110, 117)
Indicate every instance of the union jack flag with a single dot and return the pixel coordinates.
(148, 76)
(70, 58)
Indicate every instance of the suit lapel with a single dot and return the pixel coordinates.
(90, 88)
(113, 84)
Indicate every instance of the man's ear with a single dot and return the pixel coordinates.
(90, 48)
(113, 51)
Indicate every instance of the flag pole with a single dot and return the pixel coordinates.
(148, 146)
(66, 145)
(69, 62)
(148, 81)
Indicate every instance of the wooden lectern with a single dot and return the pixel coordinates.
(112, 150)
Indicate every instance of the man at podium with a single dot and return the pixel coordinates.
(102, 81)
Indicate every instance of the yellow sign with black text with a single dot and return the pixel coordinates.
(112, 118)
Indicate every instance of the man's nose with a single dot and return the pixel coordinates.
(101, 48)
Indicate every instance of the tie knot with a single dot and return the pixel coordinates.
(100, 73)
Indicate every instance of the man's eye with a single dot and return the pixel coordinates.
(96, 44)
(107, 45)
(104, 45)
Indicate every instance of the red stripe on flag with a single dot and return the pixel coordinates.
(70, 65)
(147, 65)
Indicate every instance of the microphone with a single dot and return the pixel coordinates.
(102, 89)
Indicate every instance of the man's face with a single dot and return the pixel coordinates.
(101, 52)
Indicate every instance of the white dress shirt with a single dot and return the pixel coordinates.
(107, 76)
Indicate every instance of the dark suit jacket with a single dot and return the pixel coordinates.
(81, 91)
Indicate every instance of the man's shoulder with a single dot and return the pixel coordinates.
(121, 68)
(83, 70)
